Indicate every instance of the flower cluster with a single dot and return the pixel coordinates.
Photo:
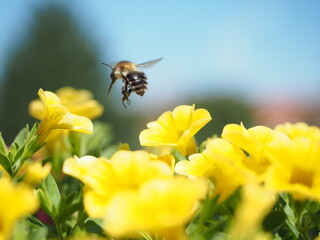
(63, 178)
(134, 193)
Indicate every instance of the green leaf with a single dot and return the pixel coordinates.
(5, 163)
(294, 231)
(93, 225)
(13, 149)
(35, 221)
(18, 154)
(71, 197)
(50, 196)
(68, 211)
(20, 139)
(20, 230)
(51, 188)
(69, 204)
(33, 131)
(3, 146)
(274, 220)
(45, 202)
(39, 233)
(290, 214)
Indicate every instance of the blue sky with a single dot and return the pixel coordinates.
(253, 49)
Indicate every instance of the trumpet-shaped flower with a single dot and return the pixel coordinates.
(133, 192)
(79, 102)
(256, 202)
(222, 162)
(176, 129)
(253, 141)
(299, 129)
(16, 201)
(57, 116)
(295, 168)
(161, 206)
(105, 178)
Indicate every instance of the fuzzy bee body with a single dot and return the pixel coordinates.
(133, 80)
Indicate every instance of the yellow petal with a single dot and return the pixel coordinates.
(182, 115)
(80, 102)
(81, 124)
(198, 165)
(134, 167)
(90, 109)
(166, 158)
(299, 129)
(176, 129)
(77, 167)
(94, 172)
(160, 204)
(36, 109)
(95, 204)
(48, 98)
(16, 201)
(149, 137)
(35, 172)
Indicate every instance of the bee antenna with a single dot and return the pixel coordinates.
(107, 65)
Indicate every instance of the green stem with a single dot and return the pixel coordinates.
(299, 208)
(59, 231)
(302, 229)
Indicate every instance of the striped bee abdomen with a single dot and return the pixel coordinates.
(137, 82)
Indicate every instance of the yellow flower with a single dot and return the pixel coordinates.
(57, 116)
(16, 201)
(253, 141)
(296, 168)
(161, 206)
(256, 202)
(222, 162)
(79, 102)
(134, 193)
(34, 172)
(104, 178)
(299, 129)
(176, 129)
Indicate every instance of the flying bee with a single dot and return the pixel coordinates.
(132, 79)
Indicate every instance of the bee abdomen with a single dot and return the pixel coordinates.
(138, 82)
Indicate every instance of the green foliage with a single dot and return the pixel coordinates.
(22, 148)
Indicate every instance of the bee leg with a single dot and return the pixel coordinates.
(126, 93)
(126, 97)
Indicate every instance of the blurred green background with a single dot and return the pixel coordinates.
(56, 51)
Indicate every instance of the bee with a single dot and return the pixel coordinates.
(132, 79)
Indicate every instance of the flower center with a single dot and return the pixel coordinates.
(301, 176)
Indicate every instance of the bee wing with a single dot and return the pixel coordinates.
(148, 64)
